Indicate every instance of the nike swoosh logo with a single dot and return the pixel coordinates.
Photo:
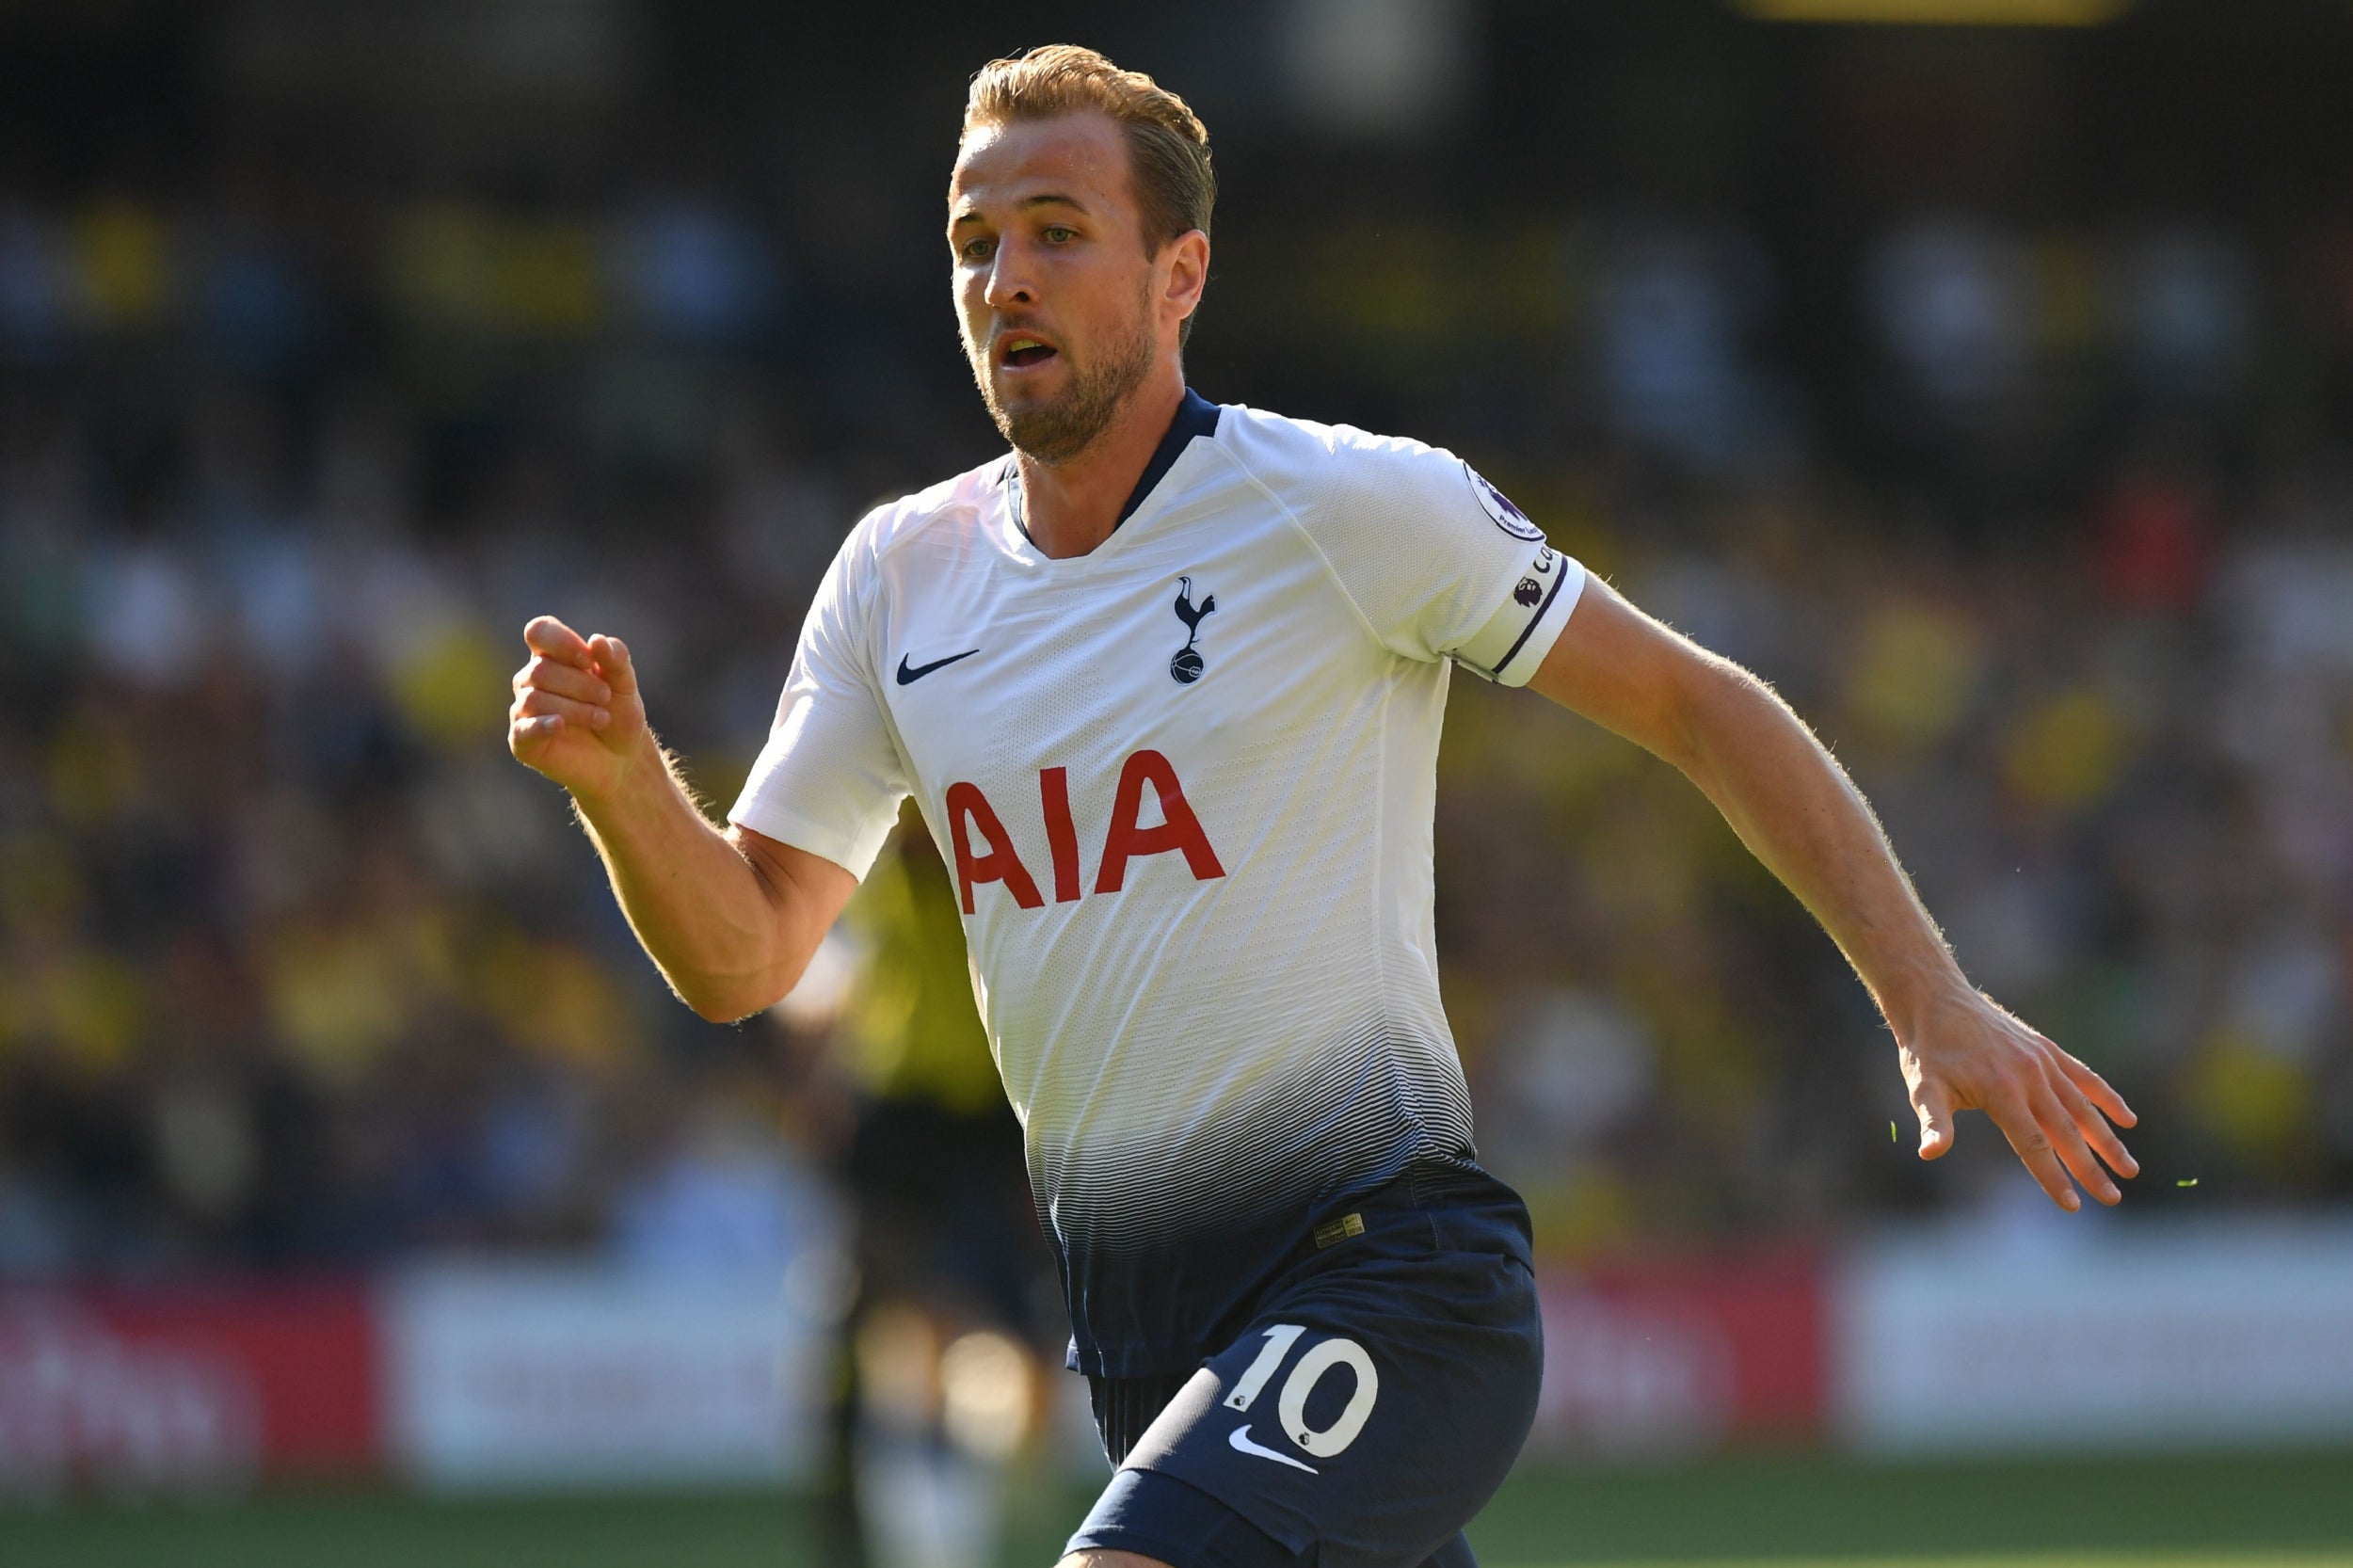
(1239, 1438)
(908, 676)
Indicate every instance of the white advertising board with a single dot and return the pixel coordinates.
(2156, 1336)
(519, 1375)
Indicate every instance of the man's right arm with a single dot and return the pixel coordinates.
(730, 919)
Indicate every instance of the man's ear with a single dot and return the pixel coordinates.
(1187, 258)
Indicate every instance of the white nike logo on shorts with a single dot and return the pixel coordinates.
(1239, 1438)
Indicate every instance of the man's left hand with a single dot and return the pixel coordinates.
(1965, 1053)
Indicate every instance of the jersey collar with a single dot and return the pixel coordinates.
(1196, 416)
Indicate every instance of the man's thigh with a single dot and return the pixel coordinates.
(1182, 1528)
(1368, 1415)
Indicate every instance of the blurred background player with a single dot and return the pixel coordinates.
(939, 1383)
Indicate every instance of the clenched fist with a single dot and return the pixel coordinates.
(577, 717)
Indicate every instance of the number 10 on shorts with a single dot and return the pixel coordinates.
(1290, 1407)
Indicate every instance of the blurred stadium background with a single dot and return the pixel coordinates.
(1985, 385)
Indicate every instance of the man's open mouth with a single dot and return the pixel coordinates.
(1019, 351)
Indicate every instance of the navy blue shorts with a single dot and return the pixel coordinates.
(1376, 1401)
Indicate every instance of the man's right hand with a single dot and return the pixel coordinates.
(729, 916)
(577, 717)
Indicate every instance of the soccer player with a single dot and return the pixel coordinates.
(1166, 685)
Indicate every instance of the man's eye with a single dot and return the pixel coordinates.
(1057, 235)
(975, 250)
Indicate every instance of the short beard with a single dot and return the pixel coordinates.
(1054, 433)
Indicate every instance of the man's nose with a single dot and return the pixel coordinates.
(1009, 280)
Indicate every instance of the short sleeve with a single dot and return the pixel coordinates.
(830, 778)
(1439, 562)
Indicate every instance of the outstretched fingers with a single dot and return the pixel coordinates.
(2048, 1145)
(2056, 1111)
(2067, 1140)
(2014, 1114)
(2088, 1121)
(2095, 1089)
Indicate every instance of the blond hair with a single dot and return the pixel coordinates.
(1168, 147)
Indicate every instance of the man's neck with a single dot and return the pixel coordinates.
(1069, 508)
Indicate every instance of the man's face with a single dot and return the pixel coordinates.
(1061, 307)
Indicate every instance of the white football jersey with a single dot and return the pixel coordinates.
(1185, 786)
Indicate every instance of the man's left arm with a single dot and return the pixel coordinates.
(1800, 813)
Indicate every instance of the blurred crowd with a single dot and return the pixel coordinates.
(301, 967)
(2045, 531)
